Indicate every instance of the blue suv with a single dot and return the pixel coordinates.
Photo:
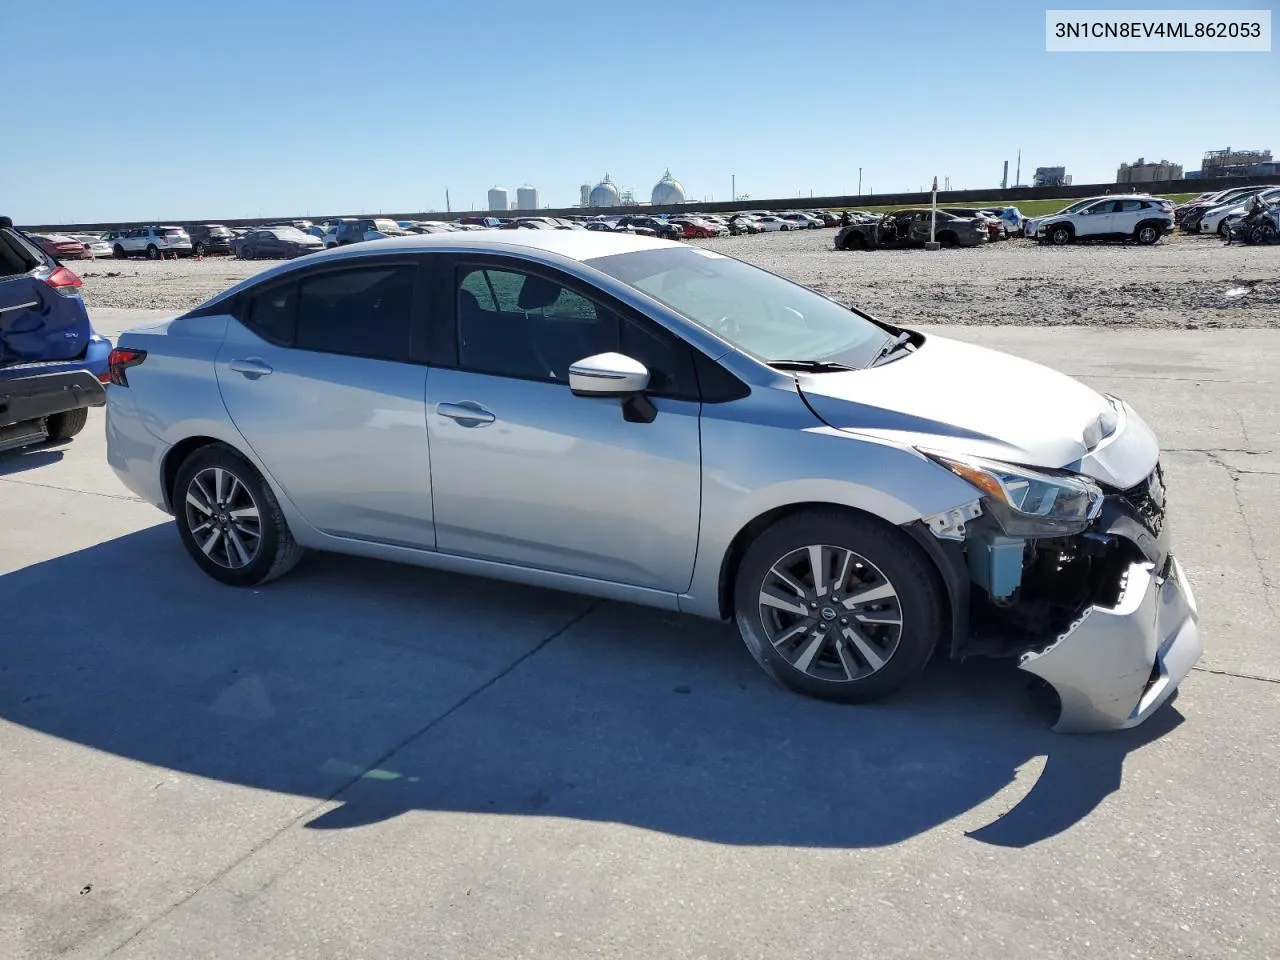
(52, 363)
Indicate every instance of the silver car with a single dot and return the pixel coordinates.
(661, 424)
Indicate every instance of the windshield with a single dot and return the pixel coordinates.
(1077, 205)
(758, 312)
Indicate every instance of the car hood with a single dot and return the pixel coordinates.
(957, 398)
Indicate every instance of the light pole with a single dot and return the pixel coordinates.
(733, 188)
(859, 181)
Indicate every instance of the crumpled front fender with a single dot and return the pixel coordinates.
(1114, 666)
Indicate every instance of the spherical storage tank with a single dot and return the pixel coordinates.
(666, 191)
(604, 194)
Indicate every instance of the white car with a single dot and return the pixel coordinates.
(340, 233)
(1215, 219)
(770, 224)
(154, 242)
(98, 247)
(1144, 219)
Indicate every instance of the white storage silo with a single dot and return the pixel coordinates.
(498, 198)
(526, 198)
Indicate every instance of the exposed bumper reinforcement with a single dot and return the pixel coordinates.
(1115, 666)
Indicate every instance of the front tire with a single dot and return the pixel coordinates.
(198, 249)
(64, 426)
(838, 606)
(229, 520)
(1060, 236)
(153, 252)
(1146, 235)
(118, 252)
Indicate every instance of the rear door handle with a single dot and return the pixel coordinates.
(468, 413)
(251, 367)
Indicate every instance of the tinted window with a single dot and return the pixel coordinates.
(1129, 205)
(270, 314)
(1107, 206)
(364, 312)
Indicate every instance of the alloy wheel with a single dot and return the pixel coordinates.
(1147, 235)
(830, 613)
(223, 518)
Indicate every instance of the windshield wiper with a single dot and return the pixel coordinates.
(810, 366)
(891, 347)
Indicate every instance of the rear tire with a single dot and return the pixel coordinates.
(229, 520)
(860, 629)
(64, 426)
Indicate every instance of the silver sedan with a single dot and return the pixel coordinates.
(661, 424)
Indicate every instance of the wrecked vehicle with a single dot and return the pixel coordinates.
(910, 228)
(651, 422)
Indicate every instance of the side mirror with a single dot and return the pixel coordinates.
(608, 375)
(615, 375)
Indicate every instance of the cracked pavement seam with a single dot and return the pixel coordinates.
(1269, 589)
(346, 784)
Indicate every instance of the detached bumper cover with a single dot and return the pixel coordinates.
(1115, 666)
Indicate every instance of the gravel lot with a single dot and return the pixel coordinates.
(1186, 283)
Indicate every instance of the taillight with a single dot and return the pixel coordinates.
(121, 360)
(65, 282)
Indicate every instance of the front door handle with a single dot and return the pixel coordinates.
(251, 367)
(468, 413)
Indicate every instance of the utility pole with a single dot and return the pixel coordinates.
(447, 207)
(733, 186)
(933, 219)
(1017, 177)
(859, 181)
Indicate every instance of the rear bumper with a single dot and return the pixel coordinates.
(46, 394)
(1115, 666)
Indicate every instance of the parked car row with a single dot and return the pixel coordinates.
(1214, 213)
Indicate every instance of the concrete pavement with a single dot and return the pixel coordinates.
(366, 760)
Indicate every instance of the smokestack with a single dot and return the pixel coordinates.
(1004, 180)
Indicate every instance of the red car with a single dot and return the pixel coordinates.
(62, 248)
(694, 228)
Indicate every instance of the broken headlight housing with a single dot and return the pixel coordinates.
(1028, 503)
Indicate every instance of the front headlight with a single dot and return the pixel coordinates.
(1025, 502)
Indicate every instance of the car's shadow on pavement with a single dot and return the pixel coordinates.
(30, 458)
(391, 688)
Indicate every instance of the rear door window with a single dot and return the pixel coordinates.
(363, 311)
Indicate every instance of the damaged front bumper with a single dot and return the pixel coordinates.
(1114, 666)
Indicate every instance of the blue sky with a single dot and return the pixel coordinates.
(225, 108)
